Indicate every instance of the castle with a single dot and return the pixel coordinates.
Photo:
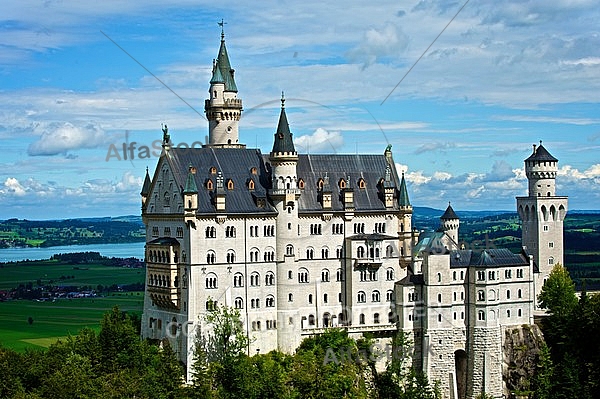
(300, 243)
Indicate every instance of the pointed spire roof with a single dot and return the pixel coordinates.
(449, 214)
(217, 76)
(283, 138)
(403, 195)
(540, 153)
(190, 183)
(224, 66)
(146, 186)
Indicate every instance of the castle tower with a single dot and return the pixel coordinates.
(285, 193)
(449, 222)
(542, 214)
(223, 109)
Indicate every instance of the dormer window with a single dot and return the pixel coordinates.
(361, 183)
(342, 184)
(301, 184)
(209, 184)
(253, 171)
(213, 170)
(320, 184)
(229, 184)
(250, 184)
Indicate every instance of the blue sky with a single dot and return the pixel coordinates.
(503, 76)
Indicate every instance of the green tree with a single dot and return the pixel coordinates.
(558, 292)
(118, 341)
(542, 380)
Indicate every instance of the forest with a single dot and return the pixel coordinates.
(115, 363)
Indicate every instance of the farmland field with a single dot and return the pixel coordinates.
(58, 319)
(60, 273)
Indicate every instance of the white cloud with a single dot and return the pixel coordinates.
(61, 138)
(377, 44)
(320, 140)
(12, 186)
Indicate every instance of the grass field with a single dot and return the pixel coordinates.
(13, 274)
(54, 320)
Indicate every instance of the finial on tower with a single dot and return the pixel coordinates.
(282, 99)
(222, 25)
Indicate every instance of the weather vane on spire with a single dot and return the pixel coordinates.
(222, 25)
(282, 99)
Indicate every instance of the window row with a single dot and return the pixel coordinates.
(211, 257)
(375, 296)
(158, 256)
(492, 275)
(271, 325)
(161, 280)
(315, 229)
(238, 280)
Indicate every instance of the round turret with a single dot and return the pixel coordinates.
(541, 169)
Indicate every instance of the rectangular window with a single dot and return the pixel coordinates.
(519, 273)
(155, 231)
(546, 228)
(550, 244)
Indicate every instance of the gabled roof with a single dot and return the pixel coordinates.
(449, 214)
(283, 137)
(235, 164)
(370, 167)
(540, 153)
(403, 194)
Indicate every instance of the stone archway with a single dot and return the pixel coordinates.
(460, 367)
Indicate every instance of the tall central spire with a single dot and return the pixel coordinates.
(223, 108)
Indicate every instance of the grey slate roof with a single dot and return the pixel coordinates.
(164, 241)
(403, 199)
(235, 164)
(225, 66)
(540, 153)
(283, 137)
(487, 258)
(412, 279)
(147, 183)
(371, 168)
(371, 237)
(449, 214)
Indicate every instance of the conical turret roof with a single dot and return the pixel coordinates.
(449, 214)
(283, 138)
(403, 199)
(146, 186)
(540, 153)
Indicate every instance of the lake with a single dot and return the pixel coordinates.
(124, 250)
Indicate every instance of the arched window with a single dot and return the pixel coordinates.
(324, 253)
(389, 274)
(480, 295)
(211, 281)
(519, 294)
(310, 253)
(361, 297)
(389, 296)
(507, 294)
(270, 301)
(211, 257)
(269, 278)
(439, 277)
(375, 296)
(254, 279)
(310, 299)
(230, 256)
(481, 315)
(508, 313)
(238, 280)
(324, 275)
(289, 249)
(311, 320)
(376, 318)
(360, 252)
(290, 297)
(239, 303)
(303, 275)
(389, 251)
(339, 275)
(361, 318)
